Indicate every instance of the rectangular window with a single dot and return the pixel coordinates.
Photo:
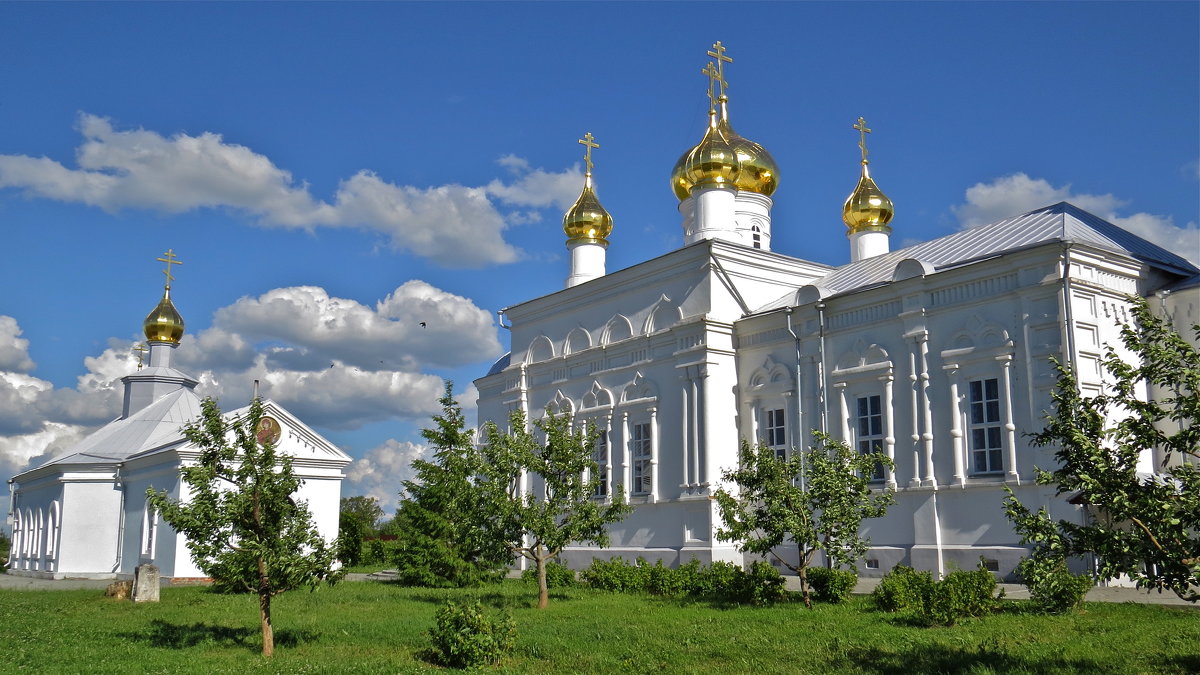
(775, 432)
(600, 456)
(986, 446)
(869, 428)
(639, 451)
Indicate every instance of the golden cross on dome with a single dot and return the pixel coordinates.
(140, 350)
(718, 53)
(170, 260)
(713, 76)
(588, 141)
(861, 126)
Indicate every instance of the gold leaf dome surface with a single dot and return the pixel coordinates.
(723, 158)
(757, 171)
(164, 324)
(867, 208)
(587, 220)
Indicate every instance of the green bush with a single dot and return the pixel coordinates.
(959, 595)
(616, 575)
(717, 581)
(662, 580)
(465, 636)
(1052, 587)
(558, 575)
(903, 589)
(833, 586)
(765, 584)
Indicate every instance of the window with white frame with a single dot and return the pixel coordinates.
(600, 456)
(987, 446)
(774, 431)
(869, 430)
(640, 453)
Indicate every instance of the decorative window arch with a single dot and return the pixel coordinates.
(577, 340)
(560, 404)
(639, 433)
(618, 328)
(978, 365)
(53, 529)
(863, 380)
(597, 397)
(540, 349)
(663, 314)
(768, 411)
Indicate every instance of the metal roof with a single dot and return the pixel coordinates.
(1061, 222)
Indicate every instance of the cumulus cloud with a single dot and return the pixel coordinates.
(453, 225)
(14, 349)
(1013, 195)
(334, 362)
(380, 473)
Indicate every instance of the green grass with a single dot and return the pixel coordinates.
(371, 627)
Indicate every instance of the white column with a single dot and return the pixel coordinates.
(926, 412)
(685, 431)
(915, 391)
(845, 412)
(625, 477)
(1010, 429)
(608, 466)
(587, 261)
(868, 244)
(889, 441)
(715, 214)
(653, 454)
(956, 430)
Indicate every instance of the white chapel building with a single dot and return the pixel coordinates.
(85, 513)
(936, 354)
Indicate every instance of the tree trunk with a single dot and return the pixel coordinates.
(268, 634)
(264, 609)
(543, 589)
(805, 559)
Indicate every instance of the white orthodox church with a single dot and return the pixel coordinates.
(85, 513)
(937, 355)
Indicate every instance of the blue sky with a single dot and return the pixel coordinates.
(333, 174)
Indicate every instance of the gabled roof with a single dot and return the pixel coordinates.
(1061, 222)
(155, 426)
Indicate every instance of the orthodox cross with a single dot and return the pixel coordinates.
(862, 137)
(713, 76)
(140, 350)
(718, 53)
(588, 141)
(170, 260)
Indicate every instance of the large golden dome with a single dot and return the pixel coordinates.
(867, 208)
(164, 324)
(587, 220)
(725, 159)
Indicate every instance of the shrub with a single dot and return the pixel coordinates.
(616, 575)
(762, 585)
(717, 581)
(829, 585)
(558, 575)
(960, 594)
(1052, 587)
(465, 636)
(903, 589)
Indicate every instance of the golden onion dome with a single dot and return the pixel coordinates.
(757, 171)
(867, 208)
(587, 220)
(712, 162)
(164, 324)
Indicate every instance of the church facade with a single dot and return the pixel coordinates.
(937, 355)
(85, 514)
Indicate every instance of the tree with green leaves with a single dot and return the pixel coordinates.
(1145, 526)
(816, 499)
(366, 510)
(356, 521)
(243, 525)
(538, 523)
(443, 535)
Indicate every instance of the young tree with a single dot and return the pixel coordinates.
(822, 511)
(539, 524)
(443, 537)
(366, 510)
(356, 522)
(242, 524)
(1148, 526)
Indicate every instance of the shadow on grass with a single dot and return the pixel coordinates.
(947, 659)
(169, 635)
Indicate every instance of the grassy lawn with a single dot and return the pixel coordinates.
(373, 627)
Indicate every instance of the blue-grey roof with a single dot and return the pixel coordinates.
(500, 364)
(1061, 222)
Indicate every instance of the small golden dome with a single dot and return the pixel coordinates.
(164, 324)
(587, 220)
(867, 208)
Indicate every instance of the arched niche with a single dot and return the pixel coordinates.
(540, 349)
(577, 340)
(663, 315)
(618, 328)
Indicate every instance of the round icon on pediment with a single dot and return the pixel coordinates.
(268, 431)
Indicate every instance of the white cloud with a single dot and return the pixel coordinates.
(1013, 195)
(14, 349)
(453, 225)
(380, 473)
